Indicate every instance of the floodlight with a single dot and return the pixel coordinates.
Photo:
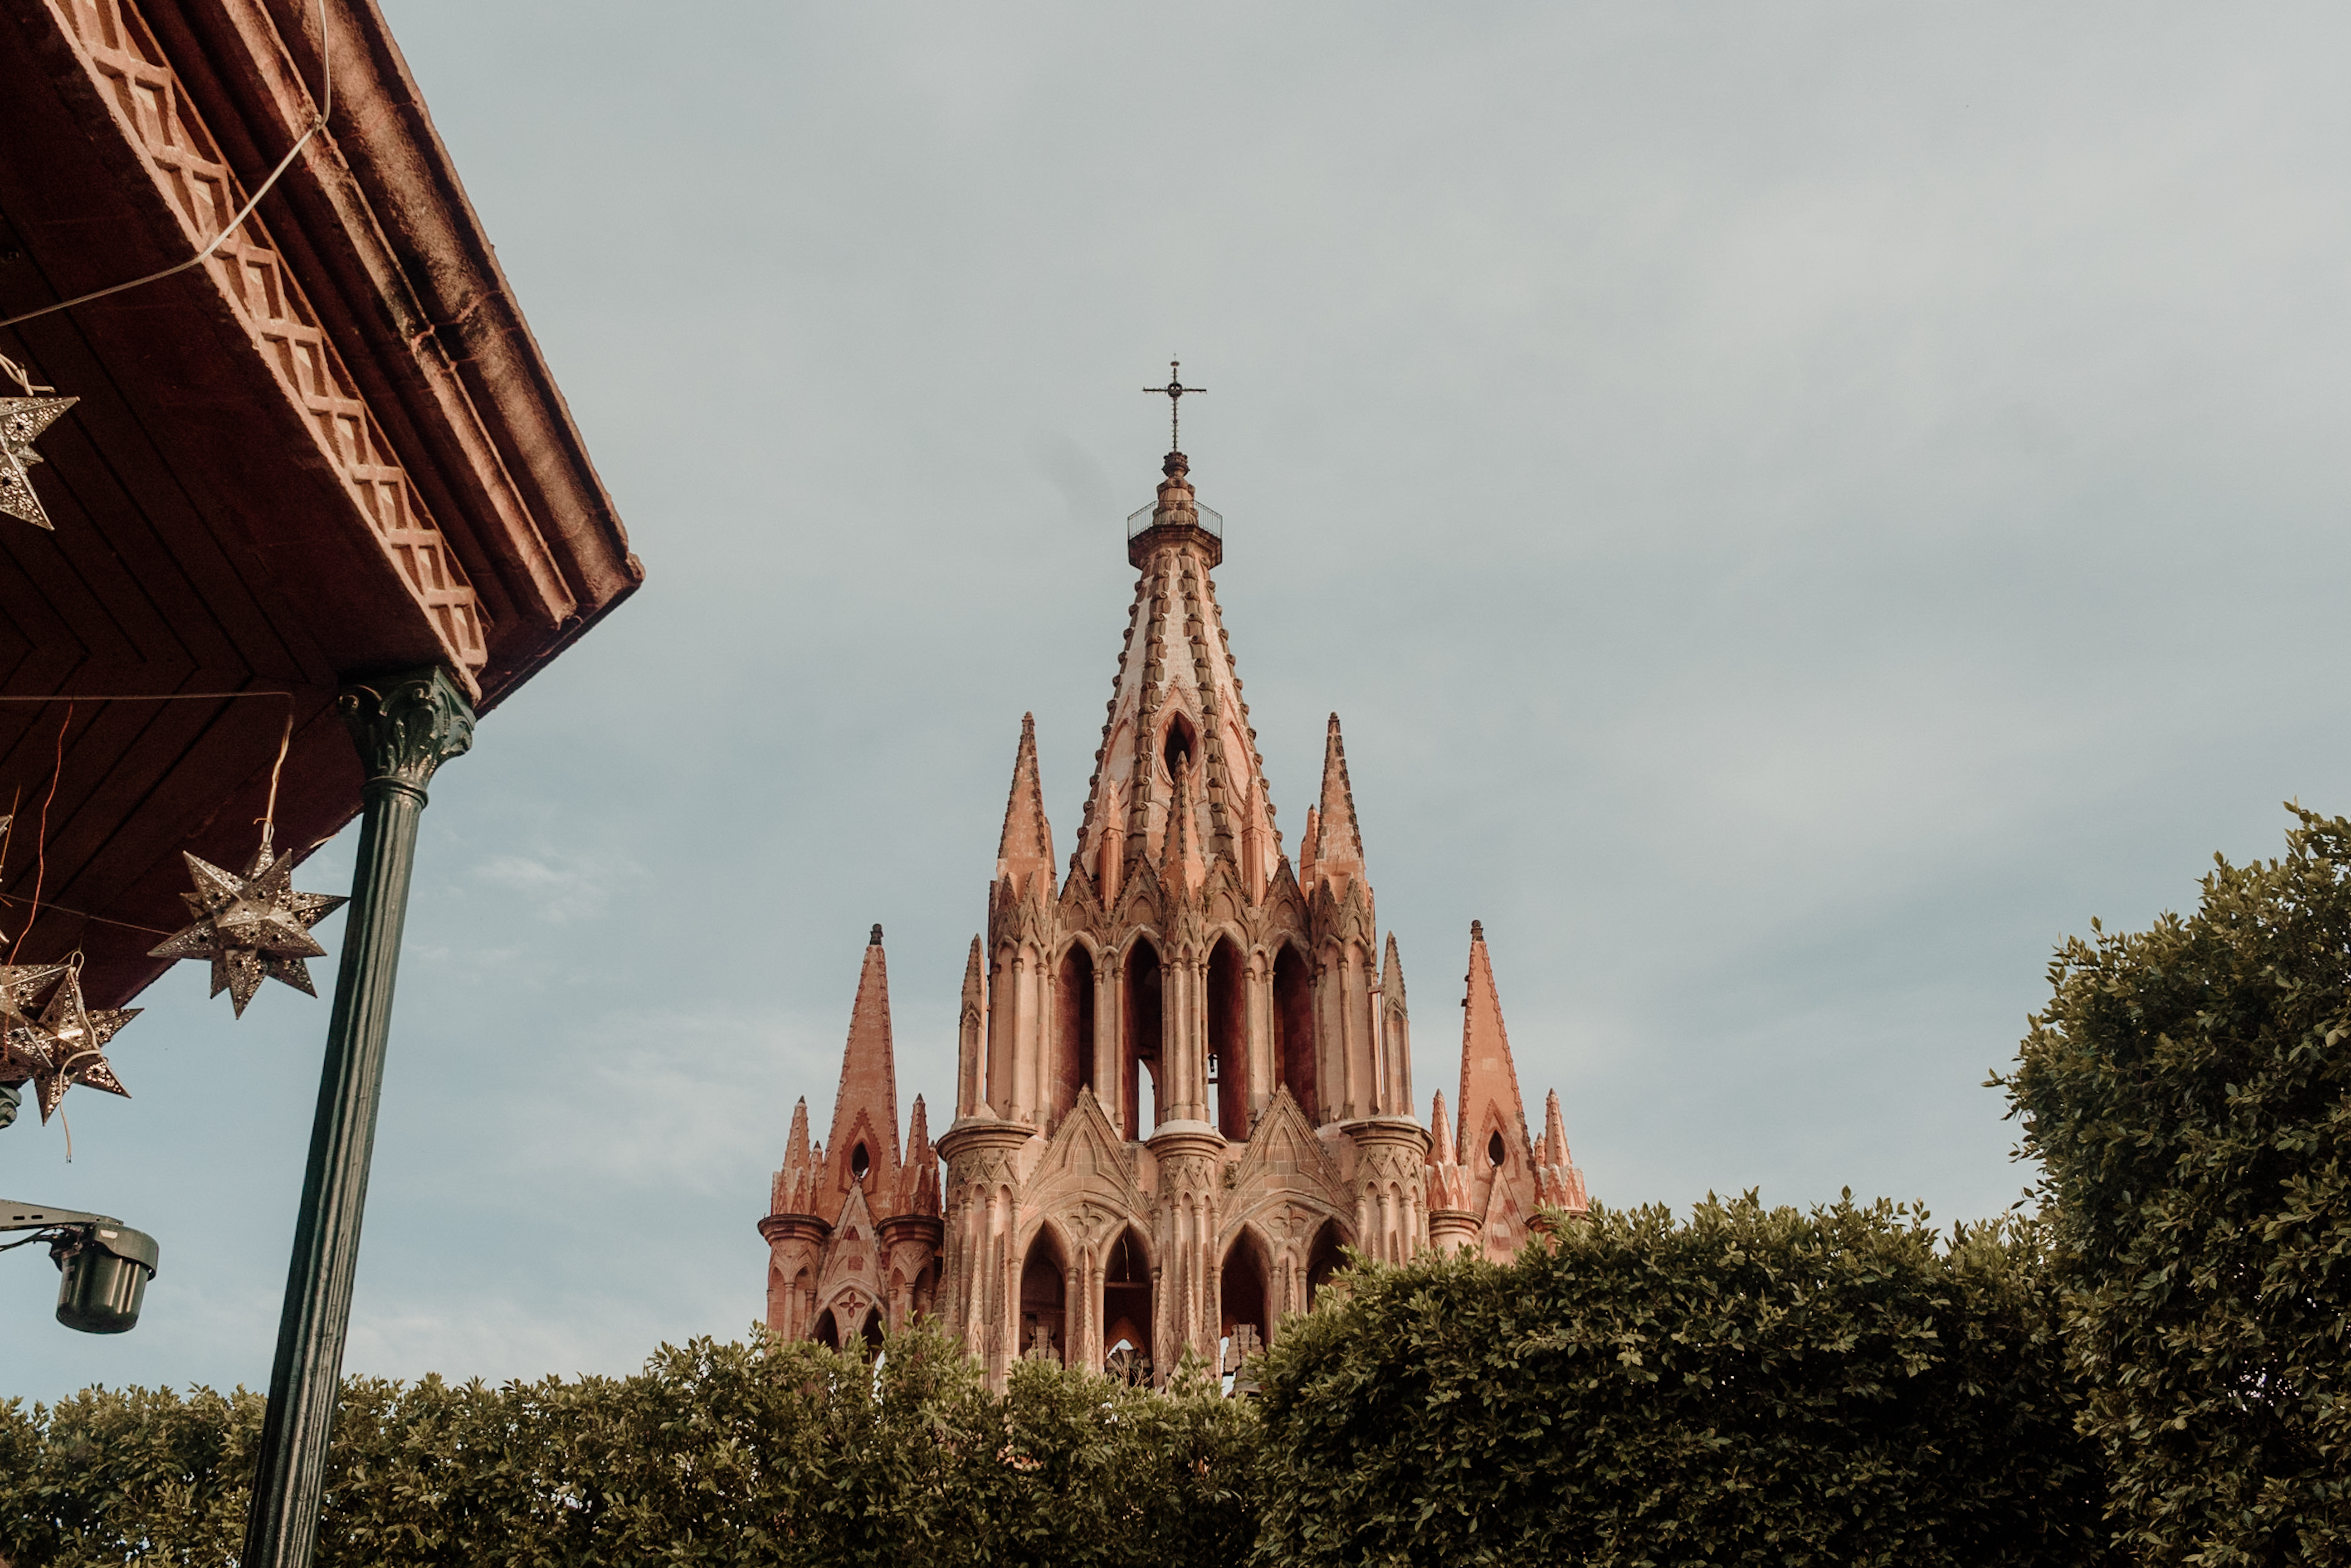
(105, 1265)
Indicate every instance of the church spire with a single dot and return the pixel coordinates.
(1025, 853)
(971, 1031)
(1557, 1181)
(918, 1184)
(794, 1189)
(864, 1140)
(1395, 1090)
(1495, 1148)
(1338, 849)
(1177, 701)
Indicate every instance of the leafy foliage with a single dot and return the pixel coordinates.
(142, 1474)
(714, 1454)
(2188, 1091)
(1751, 1386)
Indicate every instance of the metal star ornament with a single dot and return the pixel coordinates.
(21, 420)
(251, 926)
(24, 1050)
(74, 1038)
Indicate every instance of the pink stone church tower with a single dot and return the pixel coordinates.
(1185, 1063)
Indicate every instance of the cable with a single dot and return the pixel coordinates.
(317, 123)
(41, 844)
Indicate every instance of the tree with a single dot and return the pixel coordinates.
(2188, 1093)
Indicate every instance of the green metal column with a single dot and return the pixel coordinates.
(404, 730)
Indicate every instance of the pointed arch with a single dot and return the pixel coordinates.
(826, 1330)
(1293, 1030)
(1324, 1258)
(1127, 1305)
(1140, 1033)
(1044, 1305)
(1245, 1284)
(1071, 1067)
(1228, 1021)
(1179, 742)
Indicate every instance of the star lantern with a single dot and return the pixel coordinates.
(21, 1049)
(21, 420)
(73, 1037)
(251, 925)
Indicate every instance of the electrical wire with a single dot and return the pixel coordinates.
(317, 123)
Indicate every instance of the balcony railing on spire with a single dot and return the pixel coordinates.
(1212, 521)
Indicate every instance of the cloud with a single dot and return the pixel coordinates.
(561, 889)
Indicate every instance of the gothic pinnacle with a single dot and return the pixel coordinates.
(1025, 852)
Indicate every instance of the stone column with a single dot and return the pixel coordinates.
(1330, 1083)
(1453, 1229)
(404, 731)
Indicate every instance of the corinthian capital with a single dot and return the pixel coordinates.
(407, 726)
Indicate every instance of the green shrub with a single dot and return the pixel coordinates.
(109, 1476)
(716, 1454)
(1752, 1386)
(2188, 1091)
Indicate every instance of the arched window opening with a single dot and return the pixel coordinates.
(1228, 1040)
(1242, 1291)
(1494, 1151)
(868, 1334)
(1043, 1315)
(1126, 1310)
(1324, 1259)
(1177, 748)
(828, 1330)
(926, 1289)
(1141, 1035)
(861, 1163)
(1073, 1018)
(1293, 1030)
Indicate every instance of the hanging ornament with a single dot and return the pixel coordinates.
(251, 925)
(21, 420)
(72, 1036)
(21, 1049)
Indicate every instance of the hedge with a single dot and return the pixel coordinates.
(758, 1452)
(1751, 1386)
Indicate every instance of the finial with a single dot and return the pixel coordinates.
(1477, 930)
(874, 940)
(1174, 393)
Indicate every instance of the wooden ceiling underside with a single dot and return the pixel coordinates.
(331, 451)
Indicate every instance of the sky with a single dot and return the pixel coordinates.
(1799, 507)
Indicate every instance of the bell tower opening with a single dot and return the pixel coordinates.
(1141, 1036)
(1293, 1030)
(1326, 1257)
(1241, 1286)
(1126, 1314)
(1229, 1041)
(1073, 1043)
(1178, 747)
(1043, 1304)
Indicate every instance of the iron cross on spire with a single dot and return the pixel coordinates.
(1174, 393)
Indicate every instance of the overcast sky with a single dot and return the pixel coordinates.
(1798, 507)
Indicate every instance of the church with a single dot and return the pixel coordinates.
(1185, 1063)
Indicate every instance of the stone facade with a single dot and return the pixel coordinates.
(1185, 1065)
